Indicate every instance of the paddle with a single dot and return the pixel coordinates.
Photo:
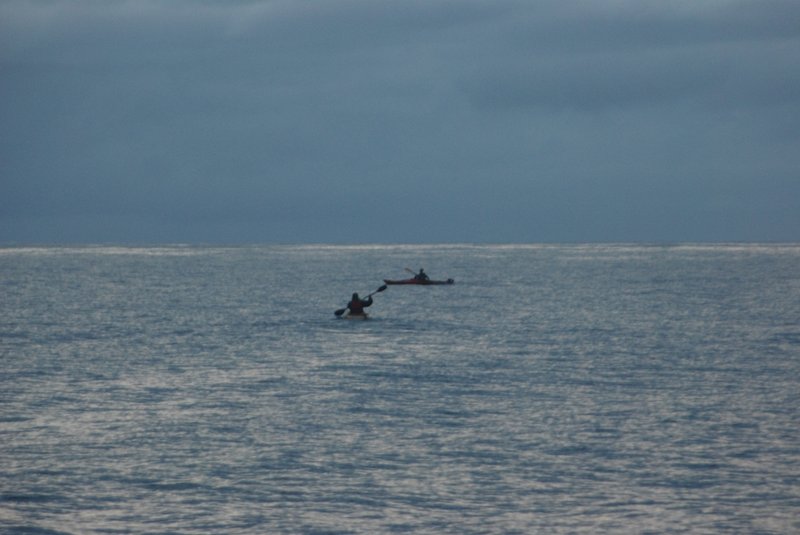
(343, 310)
(422, 279)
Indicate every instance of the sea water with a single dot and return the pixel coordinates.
(551, 389)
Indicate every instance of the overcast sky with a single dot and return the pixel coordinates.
(351, 121)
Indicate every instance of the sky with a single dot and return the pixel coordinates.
(414, 121)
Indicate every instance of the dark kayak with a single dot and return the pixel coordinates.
(416, 281)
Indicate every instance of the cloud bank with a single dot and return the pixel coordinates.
(356, 121)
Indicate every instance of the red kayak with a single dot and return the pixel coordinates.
(349, 316)
(418, 281)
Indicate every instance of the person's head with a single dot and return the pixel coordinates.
(355, 297)
(421, 270)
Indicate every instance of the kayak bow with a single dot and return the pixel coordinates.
(355, 316)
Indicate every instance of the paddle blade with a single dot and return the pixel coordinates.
(340, 311)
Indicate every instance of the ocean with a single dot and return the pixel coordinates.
(552, 389)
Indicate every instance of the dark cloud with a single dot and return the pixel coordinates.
(353, 120)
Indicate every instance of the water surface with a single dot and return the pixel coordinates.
(551, 389)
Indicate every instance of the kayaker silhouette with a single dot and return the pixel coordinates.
(357, 305)
(421, 276)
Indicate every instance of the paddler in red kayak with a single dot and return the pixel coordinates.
(421, 276)
(357, 305)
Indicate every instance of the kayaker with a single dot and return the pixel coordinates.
(357, 305)
(421, 276)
